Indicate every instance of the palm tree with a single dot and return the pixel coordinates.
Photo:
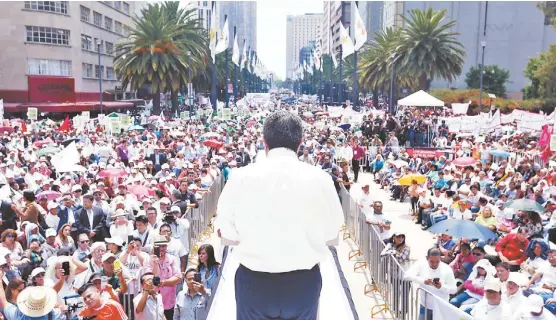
(429, 49)
(155, 51)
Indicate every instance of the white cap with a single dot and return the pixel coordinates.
(36, 271)
(107, 256)
(493, 285)
(165, 200)
(115, 240)
(175, 209)
(76, 187)
(165, 166)
(50, 232)
(535, 303)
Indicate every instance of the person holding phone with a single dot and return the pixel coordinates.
(148, 305)
(196, 299)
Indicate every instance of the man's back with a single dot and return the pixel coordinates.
(283, 210)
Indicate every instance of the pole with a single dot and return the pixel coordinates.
(482, 75)
(332, 82)
(340, 79)
(391, 86)
(235, 84)
(100, 78)
(190, 86)
(226, 72)
(355, 86)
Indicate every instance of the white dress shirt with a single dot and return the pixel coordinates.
(278, 208)
(484, 311)
(420, 271)
(153, 308)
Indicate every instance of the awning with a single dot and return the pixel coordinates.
(67, 107)
(421, 99)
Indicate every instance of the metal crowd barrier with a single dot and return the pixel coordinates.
(400, 296)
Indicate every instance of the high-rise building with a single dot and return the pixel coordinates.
(334, 12)
(300, 30)
(49, 49)
(242, 15)
(204, 12)
(513, 32)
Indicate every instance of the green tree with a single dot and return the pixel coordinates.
(155, 51)
(541, 72)
(494, 80)
(548, 9)
(428, 48)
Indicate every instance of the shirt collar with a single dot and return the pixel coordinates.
(281, 153)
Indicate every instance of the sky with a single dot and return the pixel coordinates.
(271, 29)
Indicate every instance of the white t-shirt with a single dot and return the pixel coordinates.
(381, 218)
(466, 215)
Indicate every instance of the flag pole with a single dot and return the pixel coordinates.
(355, 87)
(332, 82)
(214, 83)
(234, 84)
(226, 71)
(340, 78)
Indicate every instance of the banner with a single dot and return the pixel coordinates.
(185, 115)
(32, 113)
(125, 121)
(86, 115)
(460, 108)
(114, 124)
(424, 152)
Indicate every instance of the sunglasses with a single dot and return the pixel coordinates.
(84, 241)
(10, 236)
(477, 254)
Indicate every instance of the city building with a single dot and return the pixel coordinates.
(334, 12)
(49, 53)
(300, 30)
(305, 53)
(513, 33)
(204, 12)
(243, 16)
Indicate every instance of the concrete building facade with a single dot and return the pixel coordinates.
(300, 30)
(49, 42)
(243, 15)
(514, 32)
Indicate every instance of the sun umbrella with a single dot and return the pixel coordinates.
(42, 143)
(153, 118)
(50, 195)
(345, 126)
(112, 173)
(66, 143)
(525, 205)
(464, 161)
(138, 128)
(209, 135)
(398, 163)
(499, 153)
(139, 190)
(463, 229)
(177, 133)
(213, 144)
(47, 151)
(407, 179)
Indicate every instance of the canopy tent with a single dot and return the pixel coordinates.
(421, 99)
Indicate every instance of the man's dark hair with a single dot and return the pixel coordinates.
(142, 219)
(480, 249)
(165, 225)
(190, 270)
(88, 197)
(464, 245)
(433, 252)
(504, 265)
(84, 288)
(283, 129)
(142, 279)
(149, 209)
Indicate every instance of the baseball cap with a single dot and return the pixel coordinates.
(535, 303)
(115, 240)
(50, 232)
(175, 209)
(107, 256)
(95, 276)
(493, 285)
(37, 271)
(518, 278)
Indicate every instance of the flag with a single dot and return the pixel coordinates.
(360, 32)
(317, 57)
(65, 127)
(222, 45)
(331, 50)
(244, 56)
(235, 52)
(213, 33)
(345, 42)
(24, 127)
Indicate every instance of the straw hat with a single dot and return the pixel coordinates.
(36, 301)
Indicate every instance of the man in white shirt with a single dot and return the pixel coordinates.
(433, 276)
(492, 306)
(267, 209)
(366, 201)
(533, 309)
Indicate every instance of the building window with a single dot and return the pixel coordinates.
(107, 23)
(86, 43)
(117, 27)
(109, 48)
(205, 3)
(126, 7)
(97, 19)
(108, 3)
(85, 13)
(118, 5)
(45, 67)
(99, 71)
(51, 6)
(47, 35)
(109, 73)
(87, 70)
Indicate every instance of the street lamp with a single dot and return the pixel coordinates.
(392, 83)
(190, 86)
(483, 43)
(98, 43)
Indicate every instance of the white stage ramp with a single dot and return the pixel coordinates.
(335, 302)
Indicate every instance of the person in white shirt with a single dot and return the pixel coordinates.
(380, 221)
(492, 307)
(435, 277)
(366, 201)
(533, 309)
(148, 305)
(514, 296)
(267, 209)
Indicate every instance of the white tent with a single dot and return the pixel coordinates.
(421, 99)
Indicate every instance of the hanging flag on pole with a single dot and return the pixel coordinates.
(222, 45)
(360, 35)
(332, 50)
(346, 42)
(244, 56)
(213, 33)
(235, 52)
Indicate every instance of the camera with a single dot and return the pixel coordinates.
(169, 218)
(156, 281)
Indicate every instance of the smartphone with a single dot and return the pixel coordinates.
(66, 267)
(104, 282)
(157, 251)
(197, 277)
(435, 280)
(130, 239)
(117, 264)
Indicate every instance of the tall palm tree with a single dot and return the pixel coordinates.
(155, 51)
(429, 49)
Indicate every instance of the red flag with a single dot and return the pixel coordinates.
(66, 124)
(24, 127)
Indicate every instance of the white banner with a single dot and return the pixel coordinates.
(460, 108)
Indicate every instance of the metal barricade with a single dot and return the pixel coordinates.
(399, 294)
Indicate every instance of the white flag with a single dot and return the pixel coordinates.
(244, 56)
(222, 45)
(235, 52)
(332, 50)
(1, 109)
(345, 42)
(360, 35)
(213, 33)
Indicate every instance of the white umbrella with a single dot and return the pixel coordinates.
(72, 168)
(177, 133)
(211, 135)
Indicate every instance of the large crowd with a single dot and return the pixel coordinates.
(112, 236)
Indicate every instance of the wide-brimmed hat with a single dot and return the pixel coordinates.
(36, 301)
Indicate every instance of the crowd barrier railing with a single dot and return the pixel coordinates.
(400, 295)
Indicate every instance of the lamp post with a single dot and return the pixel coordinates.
(392, 83)
(98, 43)
(483, 44)
(190, 85)
(340, 79)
